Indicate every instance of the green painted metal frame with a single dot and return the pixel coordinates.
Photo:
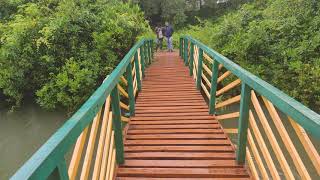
(304, 116)
(243, 122)
(191, 59)
(213, 89)
(49, 156)
(199, 70)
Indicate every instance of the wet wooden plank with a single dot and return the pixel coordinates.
(172, 135)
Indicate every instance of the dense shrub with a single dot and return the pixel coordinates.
(60, 51)
(278, 40)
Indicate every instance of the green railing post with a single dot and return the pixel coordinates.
(146, 52)
(117, 127)
(191, 59)
(130, 90)
(199, 69)
(180, 47)
(142, 60)
(149, 51)
(185, 51)
(152, 50)
(243, 123)
(136, 62)
(213, 90)
(60, 172)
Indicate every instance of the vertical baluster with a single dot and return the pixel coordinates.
(191, 59)
(146, 52)
(199, 78)
(136, 62)
(214, 78)
(180, 47)
(117, 127)
(130, 89)
(185, 44)
(243, 123)
(152, 51)
(142, 61)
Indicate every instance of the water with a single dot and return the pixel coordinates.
(22, 133)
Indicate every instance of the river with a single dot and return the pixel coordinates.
(22, 133)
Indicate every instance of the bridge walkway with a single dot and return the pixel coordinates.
(172, 135)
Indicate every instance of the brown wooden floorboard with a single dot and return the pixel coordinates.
(172, 135)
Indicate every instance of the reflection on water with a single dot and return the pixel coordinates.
(22, 133)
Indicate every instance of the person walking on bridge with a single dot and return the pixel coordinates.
(168, 34)
(159, 30)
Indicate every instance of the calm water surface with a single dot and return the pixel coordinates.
(22, 133)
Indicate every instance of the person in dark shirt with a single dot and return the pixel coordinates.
(168, 34)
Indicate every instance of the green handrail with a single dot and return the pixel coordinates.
(50, 157)
(304, 116)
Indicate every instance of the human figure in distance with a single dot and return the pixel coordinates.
(168, 34)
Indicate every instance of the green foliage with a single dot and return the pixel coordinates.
(59, 50)
(182, 12)
(277, 40)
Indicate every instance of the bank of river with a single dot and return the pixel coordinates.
(22, 133)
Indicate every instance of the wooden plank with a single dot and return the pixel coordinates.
(124, 80)
(205, 67)
(199, 117)
(90, 147)
(177, 131)
(176, 136)
(272, 139)
(125, 119)
(108, 141)
(181, 155)
(208, 58)
(285, 137)
(231, 131)
(172, 148)
(177, 126)
(123, 92)
(251, 165)
(307, 144)
(124, 106)
(223, 76)
(178, 142)
(204, 88)
(180, 163)
(148, 178)
(113, 165)
(257, 156)
(175, 122)
(183, 172)
(76, 155)
(111, 155)
(206, 80)
(228, 116)
(228, 102)
(103, 132)
(263, 147)
(228, 87)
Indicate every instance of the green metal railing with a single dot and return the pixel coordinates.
(49, 160)
(199, 58)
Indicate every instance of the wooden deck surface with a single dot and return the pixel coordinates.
(172, 136)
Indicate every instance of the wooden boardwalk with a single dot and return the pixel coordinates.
(172, 136)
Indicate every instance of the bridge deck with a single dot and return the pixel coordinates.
(172, 135)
